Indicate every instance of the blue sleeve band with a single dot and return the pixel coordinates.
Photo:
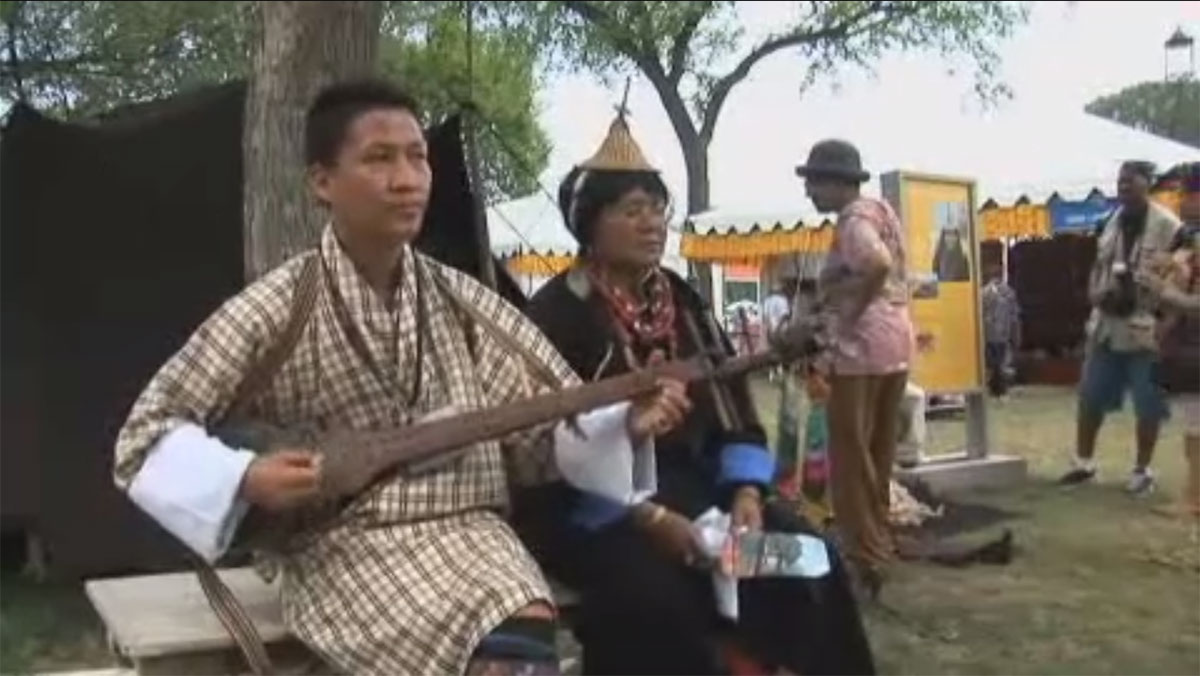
(594, 511)
(746, 463)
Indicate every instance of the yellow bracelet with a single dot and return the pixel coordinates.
(659, 513)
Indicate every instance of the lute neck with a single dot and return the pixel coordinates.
(353, 460)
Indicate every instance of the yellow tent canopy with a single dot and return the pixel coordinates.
(538, 265)
(1024, 219)
(755, 245)
(719, 238)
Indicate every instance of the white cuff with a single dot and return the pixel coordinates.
(189, 484)
(605, 462)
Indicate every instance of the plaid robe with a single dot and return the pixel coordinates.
(415, 571)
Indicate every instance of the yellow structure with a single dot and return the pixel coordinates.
(1015, 222)
(1024, 220)
(756, 244)
(538, 265)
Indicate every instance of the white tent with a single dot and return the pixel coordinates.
(529, 225)
(1016, 151)
(1019, 150)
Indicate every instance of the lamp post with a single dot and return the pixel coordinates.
(1179, 56)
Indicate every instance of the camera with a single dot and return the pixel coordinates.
(1120, 299)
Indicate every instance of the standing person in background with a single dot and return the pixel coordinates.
(778, 305)
(776, 309)
(865, 291)
(1001, 329)
(1122, 345)
(1178, 287)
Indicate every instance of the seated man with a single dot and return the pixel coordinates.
(418, 574)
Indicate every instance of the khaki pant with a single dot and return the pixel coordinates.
(862, 446)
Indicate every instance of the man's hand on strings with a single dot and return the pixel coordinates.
(282, 480)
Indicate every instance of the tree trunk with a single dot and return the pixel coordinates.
(695, 159)
(303, 47)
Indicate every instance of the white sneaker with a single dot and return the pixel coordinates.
(1081, 471)
(1141, 483)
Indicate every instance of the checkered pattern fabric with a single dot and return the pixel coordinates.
(416, 570)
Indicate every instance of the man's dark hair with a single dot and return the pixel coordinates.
(339, 105)
(1141, 168)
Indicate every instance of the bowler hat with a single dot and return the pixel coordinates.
(834, 158)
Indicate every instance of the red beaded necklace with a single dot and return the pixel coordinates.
(641, 325)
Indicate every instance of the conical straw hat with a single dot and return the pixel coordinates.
(618, 152)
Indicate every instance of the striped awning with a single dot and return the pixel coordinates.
(756, 244)
(1025, 219)
(538, 265)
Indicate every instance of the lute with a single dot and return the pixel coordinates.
(353, 460)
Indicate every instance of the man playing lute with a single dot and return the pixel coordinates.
(419, 573)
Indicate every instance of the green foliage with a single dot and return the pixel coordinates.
(1168, 109)
(78, 59)
(695, 53)
(701, 47)
(429, 50)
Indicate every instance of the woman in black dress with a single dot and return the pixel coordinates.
(647, 604)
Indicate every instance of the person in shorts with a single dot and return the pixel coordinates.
(1122, 345)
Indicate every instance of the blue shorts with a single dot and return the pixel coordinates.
(1107, 374)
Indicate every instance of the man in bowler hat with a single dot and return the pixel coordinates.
(865, 292)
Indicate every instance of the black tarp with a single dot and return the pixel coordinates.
(118, 239)
(1050, 277)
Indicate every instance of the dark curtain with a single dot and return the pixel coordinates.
(118, 238)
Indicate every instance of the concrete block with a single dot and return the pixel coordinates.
(957, 473)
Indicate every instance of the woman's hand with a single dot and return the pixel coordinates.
(658, 413)
(670, 532)
(746, 510)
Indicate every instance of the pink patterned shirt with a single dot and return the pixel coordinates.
(882, 340)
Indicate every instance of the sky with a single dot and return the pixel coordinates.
(909, 114)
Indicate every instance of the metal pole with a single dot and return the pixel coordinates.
(487, 272)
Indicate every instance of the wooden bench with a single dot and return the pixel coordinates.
(162, 624)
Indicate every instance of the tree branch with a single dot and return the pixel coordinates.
(13, 19)
(672, 102)
(616, 36)
(679, 50)
(845, 28)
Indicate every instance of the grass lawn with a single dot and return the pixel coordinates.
(1100, 585)
(47, 627)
